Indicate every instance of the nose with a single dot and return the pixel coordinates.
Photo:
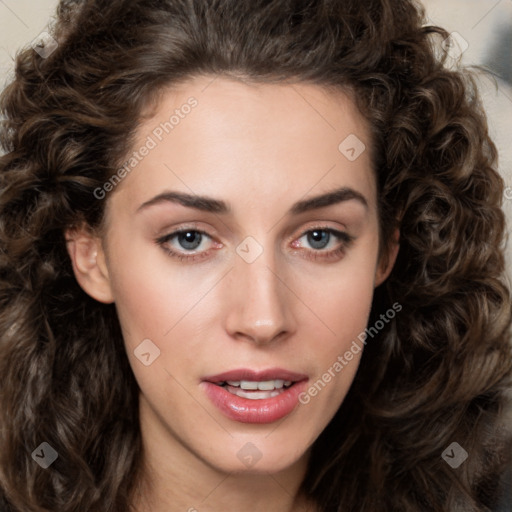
(260, 304)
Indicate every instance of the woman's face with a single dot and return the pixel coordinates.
(265, 288)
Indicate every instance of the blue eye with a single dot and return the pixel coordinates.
(189, 240)
(318, 238)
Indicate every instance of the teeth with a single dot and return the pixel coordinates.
(247, 384)
(268, 385)
(264, 385)
(259, 395)
(257, 390)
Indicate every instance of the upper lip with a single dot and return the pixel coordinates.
(256, 375)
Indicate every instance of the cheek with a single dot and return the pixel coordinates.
(151, 295)
(341, 305)
(340, 299)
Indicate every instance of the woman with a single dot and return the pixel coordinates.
(251, 260)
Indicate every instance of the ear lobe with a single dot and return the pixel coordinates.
(385, 266)
(89, 265)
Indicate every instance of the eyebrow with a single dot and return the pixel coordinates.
(209, 204)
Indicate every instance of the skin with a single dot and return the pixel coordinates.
(260, 148)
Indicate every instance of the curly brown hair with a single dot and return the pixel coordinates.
(438, 372)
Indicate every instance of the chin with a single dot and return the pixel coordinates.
(259, 455)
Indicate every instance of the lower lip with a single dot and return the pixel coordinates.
(245, 410)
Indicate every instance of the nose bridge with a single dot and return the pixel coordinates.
(260, 303)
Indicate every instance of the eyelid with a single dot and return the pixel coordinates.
(184, 226)
(320, 226)
(184, 229)
(344, 242)
(185, 256)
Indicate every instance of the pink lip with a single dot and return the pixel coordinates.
(246, 374)
(245, 410)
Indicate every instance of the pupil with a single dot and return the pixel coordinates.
(318, 237)
(186, 239)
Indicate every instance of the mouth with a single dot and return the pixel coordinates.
(250, 396)
(256, 390)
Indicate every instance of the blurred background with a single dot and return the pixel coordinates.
(481, 34)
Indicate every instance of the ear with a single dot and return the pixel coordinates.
(387, 261)
(89, 263)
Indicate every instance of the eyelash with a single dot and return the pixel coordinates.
(318, 254)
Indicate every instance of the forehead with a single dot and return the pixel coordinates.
(214, 135)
